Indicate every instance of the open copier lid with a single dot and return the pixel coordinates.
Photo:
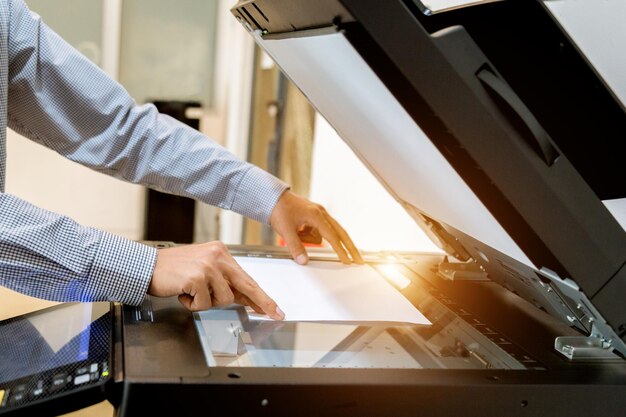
(489, 126)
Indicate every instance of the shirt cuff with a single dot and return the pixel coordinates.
(257, 194)
(121, 271)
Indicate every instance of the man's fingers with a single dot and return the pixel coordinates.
(245, 301)
(293, 212)
(310, 234)
(347, 242)
(292, 239)
(330, 234)
(243, 283)
(206, 275)
(222, 295)
(185, 300)
(198, 301)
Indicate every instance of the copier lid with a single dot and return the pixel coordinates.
(495, 134)
(384, 136)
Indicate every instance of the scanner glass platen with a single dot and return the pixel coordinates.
(455, 340)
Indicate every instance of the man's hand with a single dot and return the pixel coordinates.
(299, 220)
(205, 276)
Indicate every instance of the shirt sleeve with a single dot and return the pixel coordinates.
(60, 99)
(49, 256)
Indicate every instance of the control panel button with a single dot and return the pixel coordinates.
(18, 394)
(81, 379)
(38, 390)
(58, 381)
(17, 397)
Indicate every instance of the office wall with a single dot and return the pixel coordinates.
(167, 49)
(78, 21)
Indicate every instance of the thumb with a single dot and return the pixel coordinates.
(295, 246)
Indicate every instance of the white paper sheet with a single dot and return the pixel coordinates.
(330, 291)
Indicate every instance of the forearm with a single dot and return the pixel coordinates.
(169, 156)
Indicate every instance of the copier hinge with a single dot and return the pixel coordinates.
(602, 343)
(585, 348)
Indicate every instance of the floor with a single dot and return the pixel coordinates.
(13, 304)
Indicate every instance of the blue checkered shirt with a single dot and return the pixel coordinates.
(53, 95)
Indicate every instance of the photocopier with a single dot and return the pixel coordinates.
(496, 133)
